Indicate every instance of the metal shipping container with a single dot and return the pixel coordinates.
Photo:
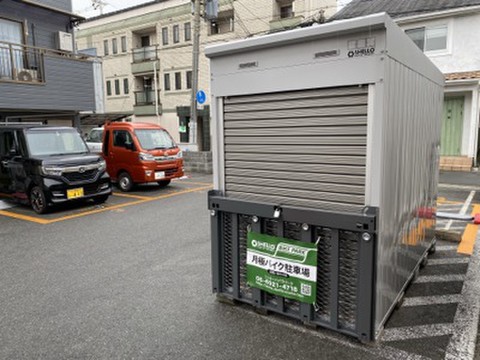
(328, 134)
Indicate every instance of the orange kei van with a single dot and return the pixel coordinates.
(140, 153)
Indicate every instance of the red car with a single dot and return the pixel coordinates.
(140, 153)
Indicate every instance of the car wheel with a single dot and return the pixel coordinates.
(100, 199)
(163, 183)
(125, 182)
(38, 201)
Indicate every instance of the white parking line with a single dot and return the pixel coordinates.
(464, 208)
(432, 300)
(449, 261)
(462, 342)
(439, 278)
(417, 332)
(5, 205)
(446, 247)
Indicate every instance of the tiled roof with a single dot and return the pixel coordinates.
(399, 8)
(463, 75)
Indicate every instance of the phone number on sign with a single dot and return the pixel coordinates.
(275, 285)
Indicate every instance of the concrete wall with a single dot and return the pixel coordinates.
(198, 161)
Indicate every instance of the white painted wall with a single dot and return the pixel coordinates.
(463, 53)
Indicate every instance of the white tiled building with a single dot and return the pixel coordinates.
(156, 38)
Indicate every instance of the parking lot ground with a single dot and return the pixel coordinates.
(134, 281)
(117, 201)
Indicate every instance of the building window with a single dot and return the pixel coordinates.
(176, 34)
(165, 36)
(166, 80)
(109, 88)
(284, 9)
(188, 31)
(145, 41)
(124, 44)
(117, 87)
(178, 81)
(105, 47)
(223, 24)
(189, 79)
(429, 38)
(114, 46)
(125, 86)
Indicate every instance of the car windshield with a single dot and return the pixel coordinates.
(151, 139)
(95, 136)
(55, 142)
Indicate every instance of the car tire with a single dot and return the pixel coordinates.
(125, 182)
(163, 183)
(100, 199)
(38, 201)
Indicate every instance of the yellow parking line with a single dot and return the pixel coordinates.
(24, 217)
(131, 196)
(182, 192)
(114, 207)
(195, 182)
(96, 211)
(91, 212)
(468, 238)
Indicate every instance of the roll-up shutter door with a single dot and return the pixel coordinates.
(304, 148)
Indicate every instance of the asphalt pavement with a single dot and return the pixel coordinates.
(133, 281)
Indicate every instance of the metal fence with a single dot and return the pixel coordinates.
(146, 53)
(345, 263)
(146, 97)
(21, 63)
(27, 64)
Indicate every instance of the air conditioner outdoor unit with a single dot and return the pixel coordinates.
(64, 41)
(26, 75)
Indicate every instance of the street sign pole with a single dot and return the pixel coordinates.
(195, 57)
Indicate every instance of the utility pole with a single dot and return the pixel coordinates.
(195, 56)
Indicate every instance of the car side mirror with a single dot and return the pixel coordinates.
(129, 146)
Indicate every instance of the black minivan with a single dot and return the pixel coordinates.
(42, 166)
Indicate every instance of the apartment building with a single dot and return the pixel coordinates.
(41, 77)
(147, 55)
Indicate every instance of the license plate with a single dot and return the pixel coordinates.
(159, 175)
(74, 193)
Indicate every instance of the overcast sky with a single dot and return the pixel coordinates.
(85, 8)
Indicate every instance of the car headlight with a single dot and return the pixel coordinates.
(52, 171)
(180, 154)
(102, 165)
(146, 157)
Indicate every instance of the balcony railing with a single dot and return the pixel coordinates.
(146, 97)
(20, 63)
(147, 53)
(26, 63)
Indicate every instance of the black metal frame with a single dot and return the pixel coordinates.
(352, 233)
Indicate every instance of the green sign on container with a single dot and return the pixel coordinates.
(282, 267)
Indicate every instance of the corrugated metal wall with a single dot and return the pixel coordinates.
(410, 151)
(302, 148)
(69, 85)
